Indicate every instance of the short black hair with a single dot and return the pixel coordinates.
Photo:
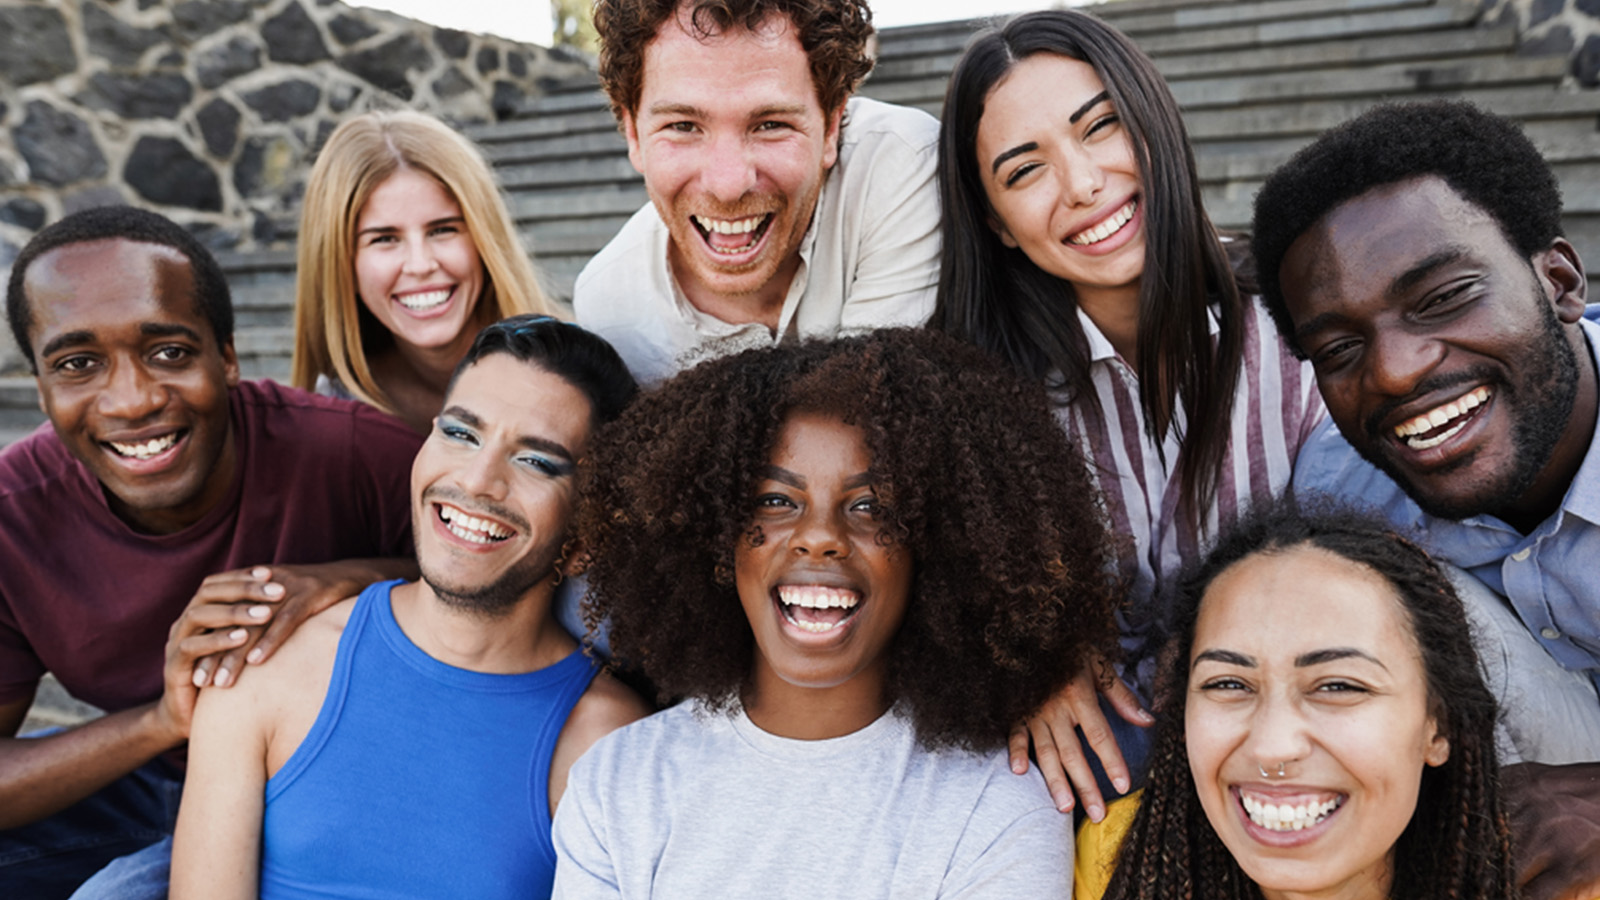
(1483, 157)
(101, 223)
(581, 357)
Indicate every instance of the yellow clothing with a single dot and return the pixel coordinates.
(1097, 846)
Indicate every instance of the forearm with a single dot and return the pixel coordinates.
(42, 776)
(358, 573)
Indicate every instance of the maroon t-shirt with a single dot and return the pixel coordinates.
(86, 597)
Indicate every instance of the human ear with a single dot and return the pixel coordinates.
(1438, 752)
(830, 153)
(1565, 281)
(1002, 232)
(630, 130)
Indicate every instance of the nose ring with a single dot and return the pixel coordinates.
(1266, 774)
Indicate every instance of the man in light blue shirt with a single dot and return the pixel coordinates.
(1415, 256)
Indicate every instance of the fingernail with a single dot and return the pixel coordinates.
(254, 655)
(261, 572)
(260, 612)
(1096, 812)
(199, 678)
(273, 589)
(237, 634)
(1021, 768)
(1063, 801)
(1145, 717)
(222, 677)
(1121, 784)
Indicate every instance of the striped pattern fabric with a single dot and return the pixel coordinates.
(1275, 410)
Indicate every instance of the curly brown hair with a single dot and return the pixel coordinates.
(1012, 587)
(1458, 842)
(834, 33)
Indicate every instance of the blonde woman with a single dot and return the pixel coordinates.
(406, 251)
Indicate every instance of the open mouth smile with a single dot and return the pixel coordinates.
(816, 609)
(1441, 423)
(730, 237)
(422, 301)
(471, 528)
(1107, 227)
(1288, 816)
(144, 450)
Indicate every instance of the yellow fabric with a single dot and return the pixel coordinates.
(1097, 848)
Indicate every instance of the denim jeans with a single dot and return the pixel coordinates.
(51, 858)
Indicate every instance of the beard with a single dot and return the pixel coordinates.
(1543, 400)
(496, 598)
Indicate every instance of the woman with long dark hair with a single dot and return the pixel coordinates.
(1348, 753)
(1077, 248)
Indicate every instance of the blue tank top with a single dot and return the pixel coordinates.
(418, 779)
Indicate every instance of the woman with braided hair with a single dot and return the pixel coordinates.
(1325, 729)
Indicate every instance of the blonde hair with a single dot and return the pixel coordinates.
(332, 328)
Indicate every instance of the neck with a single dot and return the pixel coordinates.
(1544, 496)
(764, 306)
(814, 714)
(523, 638)
(1115, 311)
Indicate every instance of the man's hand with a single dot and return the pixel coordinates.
(1555, 829)
(267, 603)
(1056, 746)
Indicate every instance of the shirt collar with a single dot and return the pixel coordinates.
(1100, 349)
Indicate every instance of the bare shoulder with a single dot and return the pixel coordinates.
(306, 657)
(607, 705)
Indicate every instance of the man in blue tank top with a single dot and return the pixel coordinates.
(415, 740)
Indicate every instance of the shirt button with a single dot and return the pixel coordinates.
(1549, 634)
(1521, 555)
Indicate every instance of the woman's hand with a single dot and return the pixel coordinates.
(1056, 745)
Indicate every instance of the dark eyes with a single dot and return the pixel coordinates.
(1105, 121)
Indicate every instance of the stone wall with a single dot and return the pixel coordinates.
(1554, 27)
(209, 110)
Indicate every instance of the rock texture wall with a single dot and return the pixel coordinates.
(208, 110)
(1554, 27)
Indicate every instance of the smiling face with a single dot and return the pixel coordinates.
(1061, 176)
(1446, 358)
(824, 595)
(1338, 698)
(132, 378)
(734, 146)
(493, 485)
(417, 268)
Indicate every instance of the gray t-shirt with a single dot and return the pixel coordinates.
(687, 804)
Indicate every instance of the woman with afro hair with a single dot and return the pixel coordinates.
(861, 562)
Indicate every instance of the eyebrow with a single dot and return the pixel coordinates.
(379, 229)
(526, 441)
(1031, 146)
(148, 329)
(1313, 658)
(795, 480)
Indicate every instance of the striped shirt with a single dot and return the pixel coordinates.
(1275, 409)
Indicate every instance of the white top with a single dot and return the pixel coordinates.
(869, 260)
(693, 804)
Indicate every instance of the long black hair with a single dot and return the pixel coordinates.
(994, 296)
(1458, 842)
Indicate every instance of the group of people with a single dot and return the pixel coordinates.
(939, 481)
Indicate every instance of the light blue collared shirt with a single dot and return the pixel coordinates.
(1551, 575)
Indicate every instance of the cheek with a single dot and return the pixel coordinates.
(373, 277)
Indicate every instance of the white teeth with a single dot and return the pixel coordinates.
(472, 528)
(147, 449)
(1438, 417)
(724, 226)
(1107, 228)
(425, 300)
(817, 597)
(1286, 817)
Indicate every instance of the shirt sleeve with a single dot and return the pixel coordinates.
(897, 274)
(584, 869)
(20, 668)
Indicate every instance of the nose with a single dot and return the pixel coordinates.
(1398, 361)
(1082, 177)
(419, 259)
(1278, 734)
(482, 475)
(729, 171)
(820, 533)
(130, 393)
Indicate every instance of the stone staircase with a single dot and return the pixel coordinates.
(1257, 80)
